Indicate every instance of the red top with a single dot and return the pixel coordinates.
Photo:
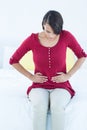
(49, 60)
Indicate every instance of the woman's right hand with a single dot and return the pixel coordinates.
(39, 78)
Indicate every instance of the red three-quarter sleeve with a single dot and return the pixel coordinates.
(22, 50)
(75, 46)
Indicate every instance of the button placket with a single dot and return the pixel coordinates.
(49, 57)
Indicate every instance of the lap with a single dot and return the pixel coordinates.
(55, 96)
(60, 97)
(38, 95)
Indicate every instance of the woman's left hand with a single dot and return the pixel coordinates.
(61, 77)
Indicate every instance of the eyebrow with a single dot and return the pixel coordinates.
(47, 31)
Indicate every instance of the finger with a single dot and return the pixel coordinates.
(42, 76)
(53, 79)
(42, 80)
(38, 73)
(60, 73)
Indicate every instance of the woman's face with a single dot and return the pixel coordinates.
(49, 32)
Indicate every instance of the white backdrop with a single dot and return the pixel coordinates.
(19, 18)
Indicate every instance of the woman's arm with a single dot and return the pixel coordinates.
(37, 78)
(22, 70)
(76, 66)
(64, 77)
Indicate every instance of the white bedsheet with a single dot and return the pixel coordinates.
(15, 109)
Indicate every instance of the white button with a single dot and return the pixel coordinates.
(49, 58)
(49, 66)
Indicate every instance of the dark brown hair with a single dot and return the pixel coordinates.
(54, 19)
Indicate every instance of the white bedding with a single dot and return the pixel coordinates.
(15, 109)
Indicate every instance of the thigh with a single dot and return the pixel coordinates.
(39, 96)
(60, 97)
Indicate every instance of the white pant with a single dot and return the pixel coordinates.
(41, 100)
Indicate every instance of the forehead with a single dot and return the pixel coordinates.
(48, 27)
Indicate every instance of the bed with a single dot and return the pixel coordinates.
(15, 109)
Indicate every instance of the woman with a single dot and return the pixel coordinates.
(50, 88)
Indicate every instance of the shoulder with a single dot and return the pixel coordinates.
(29, 40)
(32, 36)
(66, 33)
